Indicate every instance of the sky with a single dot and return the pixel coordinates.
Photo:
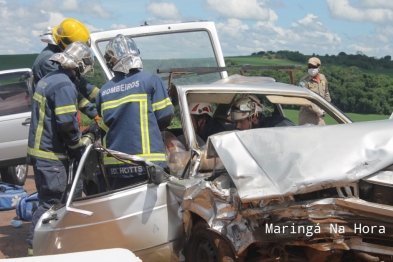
(317, 27)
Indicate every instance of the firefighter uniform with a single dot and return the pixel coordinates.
(87, 92)
(53, 136)
(130, 106)
(319, 85)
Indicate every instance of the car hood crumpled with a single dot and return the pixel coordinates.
(273, 162)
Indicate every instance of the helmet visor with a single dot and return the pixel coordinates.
(121, 46)
(245, 107)
(238, 115)
(122, 54)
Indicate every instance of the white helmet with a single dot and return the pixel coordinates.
(246, 107)
(122, 54)
(200, 108)
(77, 55)
(47, 36)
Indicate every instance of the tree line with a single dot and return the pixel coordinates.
(351, 88)
(359, 60)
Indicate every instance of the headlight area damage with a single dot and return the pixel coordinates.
(311, 192)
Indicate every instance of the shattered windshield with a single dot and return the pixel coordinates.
(176, 50)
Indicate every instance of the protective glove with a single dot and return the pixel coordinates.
(76, 153)
(321, 113)
(97, 119)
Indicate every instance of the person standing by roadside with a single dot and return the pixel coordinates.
(317, 83)
(58, 38)
(54, 136)
(135, 108)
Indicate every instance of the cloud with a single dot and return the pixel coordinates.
(365, 11)
(93, 8)
(16, 25)
(376, 3)
(163, 10)
(90, 7)
(22, 23)
(118, 26)
(307, 35)
(69, 6)
(254, 10)
(376, 44)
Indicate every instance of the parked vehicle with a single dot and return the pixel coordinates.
(296, 193)
(14, 124)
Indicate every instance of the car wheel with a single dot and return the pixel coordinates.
(14, 174)
(205, 245)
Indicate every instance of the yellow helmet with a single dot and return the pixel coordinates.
(69, 31)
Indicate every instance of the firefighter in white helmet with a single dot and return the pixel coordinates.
(54, 136)
(135, 107)
(202, 119)
(247, 113)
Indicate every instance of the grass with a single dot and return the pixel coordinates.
(257, 61)
(293, 116)
(289, 113)
(17, 61)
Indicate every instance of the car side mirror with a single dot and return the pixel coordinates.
(156, 174)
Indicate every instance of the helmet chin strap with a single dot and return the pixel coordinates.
(77, 73)
(199, 126)
(252, 125)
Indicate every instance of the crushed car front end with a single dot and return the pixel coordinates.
(310, 193)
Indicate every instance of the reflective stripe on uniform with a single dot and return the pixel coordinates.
(103, 126)
(65, 110)
(40, 125)
(145, 137)
(127, 99)
(44, 154)
(143, 114)
(93, 95)
(82, 103)
(161, 104)
(108, 160)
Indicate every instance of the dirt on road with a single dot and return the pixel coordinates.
(13, 241)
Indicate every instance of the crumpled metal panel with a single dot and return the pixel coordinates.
(274, 162)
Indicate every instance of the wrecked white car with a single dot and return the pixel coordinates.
(294, 193)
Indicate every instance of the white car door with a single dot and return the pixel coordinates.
(15, 115)
(143, 218)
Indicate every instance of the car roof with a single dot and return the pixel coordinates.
(223, 91)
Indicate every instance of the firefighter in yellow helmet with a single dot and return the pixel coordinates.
(69, 31)
(54, 136)
(58, 38)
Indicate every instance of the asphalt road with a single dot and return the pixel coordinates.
(13, 241)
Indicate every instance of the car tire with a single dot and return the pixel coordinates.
(14, 174)
(205, 245)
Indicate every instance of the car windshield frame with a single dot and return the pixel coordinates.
(206, 51)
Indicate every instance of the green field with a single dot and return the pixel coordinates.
(257, 61)
(17, 61)
(293, 116)
(26, 60)
(264, 61)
